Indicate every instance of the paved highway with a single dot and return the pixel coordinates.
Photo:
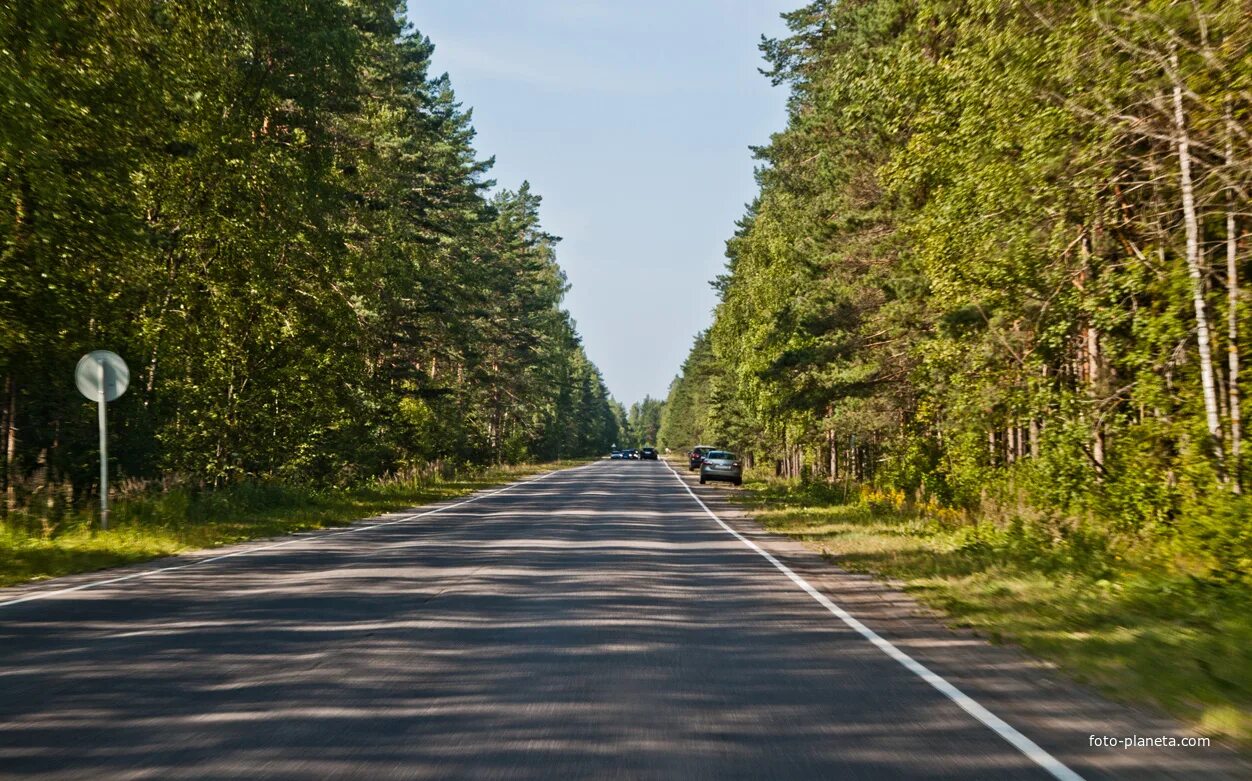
(597, 622)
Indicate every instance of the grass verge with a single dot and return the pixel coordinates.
(1137, 632)
(177, 521)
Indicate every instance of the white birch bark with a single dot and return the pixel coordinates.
(1192, 226)
(1232, 316)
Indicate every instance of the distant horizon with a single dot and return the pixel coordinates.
(638, 146)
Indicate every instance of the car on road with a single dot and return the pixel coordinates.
(697, 455)
(721, 465)
(648, 454)
(632, 454)
(615, 454)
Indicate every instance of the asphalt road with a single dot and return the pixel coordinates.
(592, 623)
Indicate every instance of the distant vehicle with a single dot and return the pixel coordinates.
(697, 455)
(648, 454)
(721, 465)
(616, 454)
(632, 453)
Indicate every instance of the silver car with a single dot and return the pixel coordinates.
(721, 465)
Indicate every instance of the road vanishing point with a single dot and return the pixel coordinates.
(606, 621)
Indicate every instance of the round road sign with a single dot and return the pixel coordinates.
(116, 375)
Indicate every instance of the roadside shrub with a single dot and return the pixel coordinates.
(1220, 528)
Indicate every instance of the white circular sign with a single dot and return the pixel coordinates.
(88, 374)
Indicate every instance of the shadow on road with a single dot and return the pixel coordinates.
(592, 624)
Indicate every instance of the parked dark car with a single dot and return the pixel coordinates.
(721, 465)
(696, 456)
(648, 454)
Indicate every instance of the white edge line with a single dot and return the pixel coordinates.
(998, 725)
(316, 536)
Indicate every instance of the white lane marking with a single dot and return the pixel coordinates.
(998, 725)
(316, 536)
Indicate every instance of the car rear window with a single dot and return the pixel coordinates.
(721, 454)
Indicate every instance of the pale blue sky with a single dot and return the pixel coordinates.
(633, 121)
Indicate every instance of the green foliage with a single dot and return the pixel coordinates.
(974, 283)
(643, 423)
(683, 416)
(966, 274)
(276, 215)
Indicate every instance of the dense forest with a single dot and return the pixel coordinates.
(641, 424)
(998, 263)
(274, 212)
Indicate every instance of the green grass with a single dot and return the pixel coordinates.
(1139, 631)
(167, 523)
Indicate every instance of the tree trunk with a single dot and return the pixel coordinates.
(833, 452)
(1092, 337)
(1232, 319)
(1093, 368)
(1192, 225)
(10, 449)
(4, 426)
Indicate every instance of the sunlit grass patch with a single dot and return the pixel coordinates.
(176, 521)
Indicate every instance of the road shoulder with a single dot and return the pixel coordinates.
(34, 591)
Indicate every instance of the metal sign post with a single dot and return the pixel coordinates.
(102, 376)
